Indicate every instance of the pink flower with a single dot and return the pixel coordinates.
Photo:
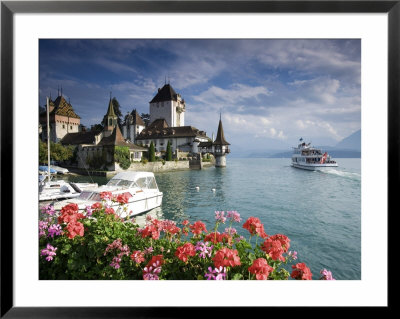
(218, 273)
(219, 216)
(49, 251)
(150, 272)
(234, 215)
(326, 275)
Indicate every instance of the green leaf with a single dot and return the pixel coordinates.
(237, 277)
(65, 250)
(252, 257)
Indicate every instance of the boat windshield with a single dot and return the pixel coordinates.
(90, 196)
(95, 197)
(119, 182)
(146, 182)
(85, 195)
(113, 182)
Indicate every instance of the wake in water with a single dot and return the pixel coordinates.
(341, 173)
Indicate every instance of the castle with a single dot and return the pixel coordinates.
(97, 148)
(167, 119)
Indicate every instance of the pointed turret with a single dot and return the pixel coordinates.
(220, 140)
(111, 118)
(220, 146)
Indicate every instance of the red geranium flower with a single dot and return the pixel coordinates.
(69, 213)
(75, 229)
(137, 256)
(106, 195)
(198, 227)
(109, 211)
(226, 257)
(261, 269)
(185, 222)
(97, 206)
(254, 226)
(216, 237)
(123, 198)
(273, 247)
(284, 240)
(172, 229)
(150, 231)
(301, 272)
(154, 259)
(183, 252)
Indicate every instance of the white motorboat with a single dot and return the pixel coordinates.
(61, 189)
(307, 157)
(139, 187)
(60, 170)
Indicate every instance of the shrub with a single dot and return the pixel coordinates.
(122, 156)
(169, 152)
(152, 153)
(97, 244)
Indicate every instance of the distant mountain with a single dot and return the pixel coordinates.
(349, 147)
(352, 142)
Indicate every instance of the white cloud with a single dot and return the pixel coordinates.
(233, 95)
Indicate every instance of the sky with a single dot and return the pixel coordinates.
(269, 92)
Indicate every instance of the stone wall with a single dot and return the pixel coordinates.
(157, 167)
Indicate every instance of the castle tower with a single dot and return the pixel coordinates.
(168, 105)
(111, 119)
(220, 146)
(132, 126)
(62, 118)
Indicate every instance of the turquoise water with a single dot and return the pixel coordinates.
(319, 211)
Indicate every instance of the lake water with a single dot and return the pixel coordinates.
(320, 211)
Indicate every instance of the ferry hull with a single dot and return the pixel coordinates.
(314, 167)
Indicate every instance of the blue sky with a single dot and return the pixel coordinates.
(270, 92)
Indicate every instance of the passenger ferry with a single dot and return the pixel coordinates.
(311, 158)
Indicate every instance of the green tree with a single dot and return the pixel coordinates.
(97, 127)
(152, 153)
(146, 118)
(58, 152)
(169, 152)
(122, 156)
(42, 152)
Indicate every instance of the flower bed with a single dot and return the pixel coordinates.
(98, 244)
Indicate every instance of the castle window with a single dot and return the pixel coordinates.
(110, 122)
(63, 126)
(70, 127)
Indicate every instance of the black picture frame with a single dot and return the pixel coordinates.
(9, 8)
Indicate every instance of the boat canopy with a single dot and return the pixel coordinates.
(132, 176)
(131, 179)
(43, 168)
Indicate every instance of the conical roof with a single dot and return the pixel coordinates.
(110, 110)
(220, 140)
(166, 93)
